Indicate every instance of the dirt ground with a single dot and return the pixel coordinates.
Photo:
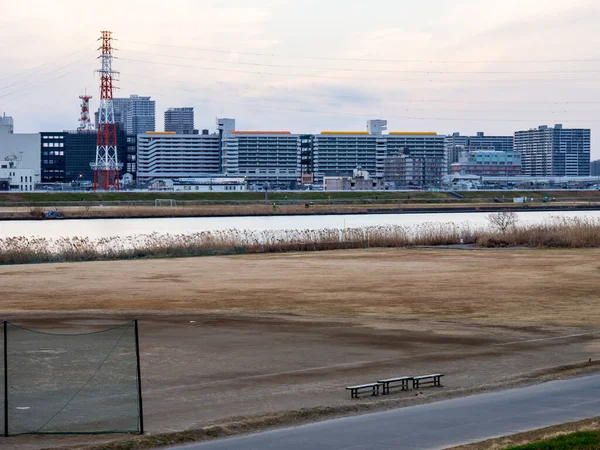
(244, 335)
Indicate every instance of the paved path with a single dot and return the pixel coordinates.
(436, 425)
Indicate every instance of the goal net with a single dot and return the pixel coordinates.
(66, 384)
(164, 202)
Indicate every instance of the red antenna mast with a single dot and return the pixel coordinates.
(85, 123)
(106, 167)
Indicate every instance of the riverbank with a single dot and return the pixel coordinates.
(101, 211)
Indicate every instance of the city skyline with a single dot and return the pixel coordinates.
(221, 68)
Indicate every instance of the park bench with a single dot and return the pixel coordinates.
(354, 389)
(402, 380)
(427, 379)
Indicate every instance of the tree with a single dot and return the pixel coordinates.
(503, 220)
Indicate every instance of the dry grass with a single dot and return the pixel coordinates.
(20, 250)
(555, 233)
(537, 287)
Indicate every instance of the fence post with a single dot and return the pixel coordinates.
(5, 379)
(139, 377)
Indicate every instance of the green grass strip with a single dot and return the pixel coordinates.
(585, 440)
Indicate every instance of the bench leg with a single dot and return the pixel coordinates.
(375, 391)
(354, 393)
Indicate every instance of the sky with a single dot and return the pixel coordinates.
(312, 65)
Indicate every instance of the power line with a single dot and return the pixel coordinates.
(345, 69)
(35, 69)
(415, 61)
(560, 105)
(254, 105)
(529, 80)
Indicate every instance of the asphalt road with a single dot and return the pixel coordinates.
(436, 425)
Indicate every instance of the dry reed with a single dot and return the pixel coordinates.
(554, 233)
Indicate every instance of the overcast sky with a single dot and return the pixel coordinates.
(313, 65)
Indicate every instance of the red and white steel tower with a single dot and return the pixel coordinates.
(107, 166)
(84, 120)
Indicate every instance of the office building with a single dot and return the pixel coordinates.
(7, 121)
(557, 151)
(19, 150)
(268, 159)
(455, 144)
(136, 114)
(595, 168)
(180, 121)
(66, 155)
(169, 155)
(490, 163)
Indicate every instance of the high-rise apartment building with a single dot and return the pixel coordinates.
(595, 168)
(558, 151)
(136, 114)
(266, 158)
(180, 121)
(425, 156)
(169, 155)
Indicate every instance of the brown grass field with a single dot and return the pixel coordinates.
(243, 335)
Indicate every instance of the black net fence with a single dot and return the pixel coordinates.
(71, 384)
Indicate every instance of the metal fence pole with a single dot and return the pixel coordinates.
(139, 377)
(5, 379)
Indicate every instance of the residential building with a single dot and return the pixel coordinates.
(266, 158)
(180, 121)
(455, 144)
(169, 155)
(557, 151)
(401, 171)
(426, 157)
(136, 114)
(491, 163)
(20, 149)
(339, 153)
(359, 181)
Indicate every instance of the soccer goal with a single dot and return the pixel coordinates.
(164, 202)
(71, 383)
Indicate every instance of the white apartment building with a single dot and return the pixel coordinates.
(264, 158)
(169, 155)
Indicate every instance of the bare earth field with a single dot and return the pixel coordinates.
(245, 335)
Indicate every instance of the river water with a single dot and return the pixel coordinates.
(99, 228)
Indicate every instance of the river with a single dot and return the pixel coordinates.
(100, 228)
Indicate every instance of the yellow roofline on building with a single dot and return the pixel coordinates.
(261, 132)
(361, 133)
(419, 133)
(160, 132)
